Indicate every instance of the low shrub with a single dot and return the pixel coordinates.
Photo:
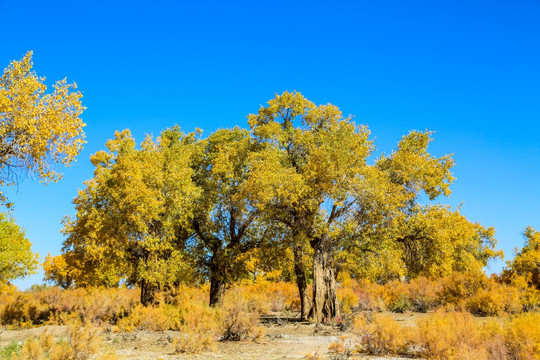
(9, 351)
(239, 316)
(371, 296)
(449, 336)
(423, 294)
(497, 299)
(379, 334)
(153, 318)
(523, 336)
(83, 343)
(456, 289)
(198, 329)
(342, 349)
(347, 299)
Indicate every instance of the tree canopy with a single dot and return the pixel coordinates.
(16, 257)
(37, 129)
(300, 192)
(526, 263)
(130, 214)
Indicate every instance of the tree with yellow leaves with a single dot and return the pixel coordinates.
(395, 236)
(58, 271)
(307, 178)
(131, 215)
(37, 129)
(225, 224)
(526, 263)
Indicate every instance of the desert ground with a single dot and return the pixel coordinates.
(284, 339)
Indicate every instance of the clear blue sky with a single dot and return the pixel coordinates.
(468, 70)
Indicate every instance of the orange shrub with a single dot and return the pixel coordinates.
(498, 299)
(380, 335)
(23, 309)
(239, 316)
(370, 296)
(449, 336)
(199, 328)
(274, 296)
(396, 296)
(457, 288)
(347, 300)
(423, 294)
(161, 317)
(523, 337)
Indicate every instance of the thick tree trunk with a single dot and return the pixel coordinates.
(148, 293)
(301, 282)
(325, 303)
(217, 277)
(217, 288)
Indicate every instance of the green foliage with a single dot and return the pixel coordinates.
(16, 258)
(9, 351)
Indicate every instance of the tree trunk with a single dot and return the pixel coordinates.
(217, 288)
(217, 277)
(325, 303)
(301, 282)
(148, 293)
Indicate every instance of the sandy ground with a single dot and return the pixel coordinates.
(283, 340)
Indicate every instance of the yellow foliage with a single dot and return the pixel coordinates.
(396, 296)
(523, 336)
(380, 335)
(38, 130)
(497, 299)
(348, 301)
(453, 335)
(423, 294)
(239, 316)
(154, 318)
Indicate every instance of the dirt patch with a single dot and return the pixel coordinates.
(283, 340)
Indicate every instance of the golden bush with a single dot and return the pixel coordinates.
(423, 294)
(498, 299)
(451, 335)
(371, 296)
(458, 287)
(523, 336)
(380, 334)
(239, 316)
(347, 299)
(397, 297)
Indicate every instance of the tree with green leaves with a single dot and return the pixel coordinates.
(16, 257)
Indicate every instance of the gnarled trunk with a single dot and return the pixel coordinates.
(148, 292)
(325, 303)
(217, 289)
(301, 282)
(217, 277)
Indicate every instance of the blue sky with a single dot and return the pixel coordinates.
(468, 70)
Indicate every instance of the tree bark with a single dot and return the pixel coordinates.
(325, 303)
(217, 277)
(217, 289)
(301, 282)
(148, 293)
